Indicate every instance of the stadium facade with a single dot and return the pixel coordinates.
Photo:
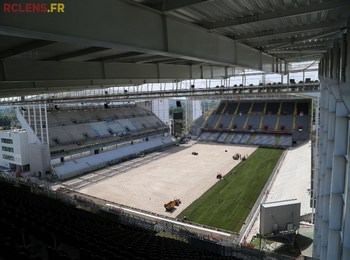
(332, 226)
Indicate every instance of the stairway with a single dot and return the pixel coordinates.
(207, 116)
(248, 116)
(251, 138)
(278, 117)
(262, 117)
(220, 116)
(230, 125)
(295, 116)
(277, 139)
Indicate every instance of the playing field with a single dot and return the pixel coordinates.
(227, 204)
(149, 184)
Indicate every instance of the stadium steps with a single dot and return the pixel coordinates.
(224, 110)
(277, 122)
(294, 115)
(248, 116)
(233, 117)
(217, 124)
(207, 116)
(228, 138)
(277, 140)
(222, 137)
(278, 116)
(251, 139)
(262, 116)
(279, 109)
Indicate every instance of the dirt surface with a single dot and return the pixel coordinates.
(179, 174)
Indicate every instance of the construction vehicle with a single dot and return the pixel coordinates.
(236, 156)
(171, 204)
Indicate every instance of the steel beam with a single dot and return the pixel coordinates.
(289, 30)
(171, 5)
(154, 59)
(119, 57)
(322, 38)
(305, 47)
(313, 51)
(31, 45)
(30, 77)
(291, 43)
(128, 26)
(303, 57)
(284, 13)
(223, 92)
(77, 53)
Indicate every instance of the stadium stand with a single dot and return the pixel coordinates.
(267, 123)
(88, 163)
(71, 126)
(82, 139)
(35, 226)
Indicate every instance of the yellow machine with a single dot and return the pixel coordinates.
(171, 204)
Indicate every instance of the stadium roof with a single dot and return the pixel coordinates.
(120, 42)
(293, 30)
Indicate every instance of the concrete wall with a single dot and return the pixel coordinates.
(277, 217)
(332, 215)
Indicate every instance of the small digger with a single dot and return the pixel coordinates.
(170, 206)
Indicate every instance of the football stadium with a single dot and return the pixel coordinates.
(174, 129)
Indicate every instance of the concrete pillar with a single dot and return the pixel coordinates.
(320, 225)
(346, 213)
(346, 253)
(333, 248)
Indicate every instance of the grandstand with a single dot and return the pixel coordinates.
(34, 226)
(86, 138)
(265, 123)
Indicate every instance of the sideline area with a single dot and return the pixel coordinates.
(292, 182)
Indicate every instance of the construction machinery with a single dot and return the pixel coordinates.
(171, 204)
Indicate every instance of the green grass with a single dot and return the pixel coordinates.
(227, 204)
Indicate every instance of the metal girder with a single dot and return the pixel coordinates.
(309, 38)
(29, 77)
(119, 57)
(172, 61)
(31, 45)
(305, 47)
(127, 26)
(171, 5)
(298, 41)
(304, 57)
(290, 12)
(77, 53)
(289, 30)
(179, 61)
(314, 51)
(227, 91)
(154, 59)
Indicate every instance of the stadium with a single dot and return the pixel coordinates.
(175, 130)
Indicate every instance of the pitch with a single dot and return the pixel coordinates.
(227, 204)
(179, 174)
